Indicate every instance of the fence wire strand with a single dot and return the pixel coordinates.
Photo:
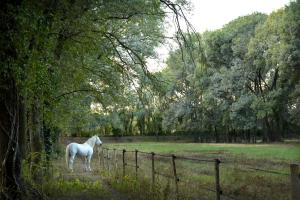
(268, 171)
(145, 163)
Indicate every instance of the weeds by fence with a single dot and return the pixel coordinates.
(155, 165)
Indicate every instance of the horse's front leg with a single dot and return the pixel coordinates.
(89, 163)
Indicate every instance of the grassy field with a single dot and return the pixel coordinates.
(196, 179)
(289, 153)
(238, 179)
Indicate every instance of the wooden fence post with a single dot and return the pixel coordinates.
(124, 162)
(175, 175)
(115, 160)
(105, 159)
(295, 181)
(102, 158)
(153, 169)
(217, 179)
(98, 154)
(108, 161)
(136, 164)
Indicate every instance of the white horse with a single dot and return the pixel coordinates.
(85, 150)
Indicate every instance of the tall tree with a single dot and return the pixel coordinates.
(54, 50)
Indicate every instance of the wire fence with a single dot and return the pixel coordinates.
(196, 178)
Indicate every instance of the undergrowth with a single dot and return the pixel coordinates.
(56, 183)
(73, 189)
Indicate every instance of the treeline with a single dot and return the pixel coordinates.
(238, 83)
(242, 81)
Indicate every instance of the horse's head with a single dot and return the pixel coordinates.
(98, 141)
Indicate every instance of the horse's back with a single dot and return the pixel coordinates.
(80, 149)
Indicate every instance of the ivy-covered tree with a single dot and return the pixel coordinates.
(59, 56)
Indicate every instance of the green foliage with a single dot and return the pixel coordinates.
(242, 83)
(72, 54)
(140, 189)
(236, 82)
(71, 188)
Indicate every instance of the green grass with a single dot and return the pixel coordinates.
(237, 178)
(289, 153)
(73, 189)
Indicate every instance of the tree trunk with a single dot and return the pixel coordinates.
(47, 142)
(265, 130)
(10, 143)
(248, 136)
(141, 125)
(227, 134)
(216, 135)
(234, 136)
(278, 127)
(10, 107)
(130, 128)
(36, 141)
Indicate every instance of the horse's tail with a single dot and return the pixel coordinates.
(67, 156)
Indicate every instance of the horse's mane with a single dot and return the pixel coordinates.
(91, 141)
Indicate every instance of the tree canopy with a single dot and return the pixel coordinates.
(244, 83)
(59, 59)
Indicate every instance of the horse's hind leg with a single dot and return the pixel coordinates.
(85, 163)
(71, 161)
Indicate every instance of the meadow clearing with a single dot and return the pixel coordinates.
(247, 171)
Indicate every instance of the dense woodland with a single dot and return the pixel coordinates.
(79, 68)
(236, 83)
